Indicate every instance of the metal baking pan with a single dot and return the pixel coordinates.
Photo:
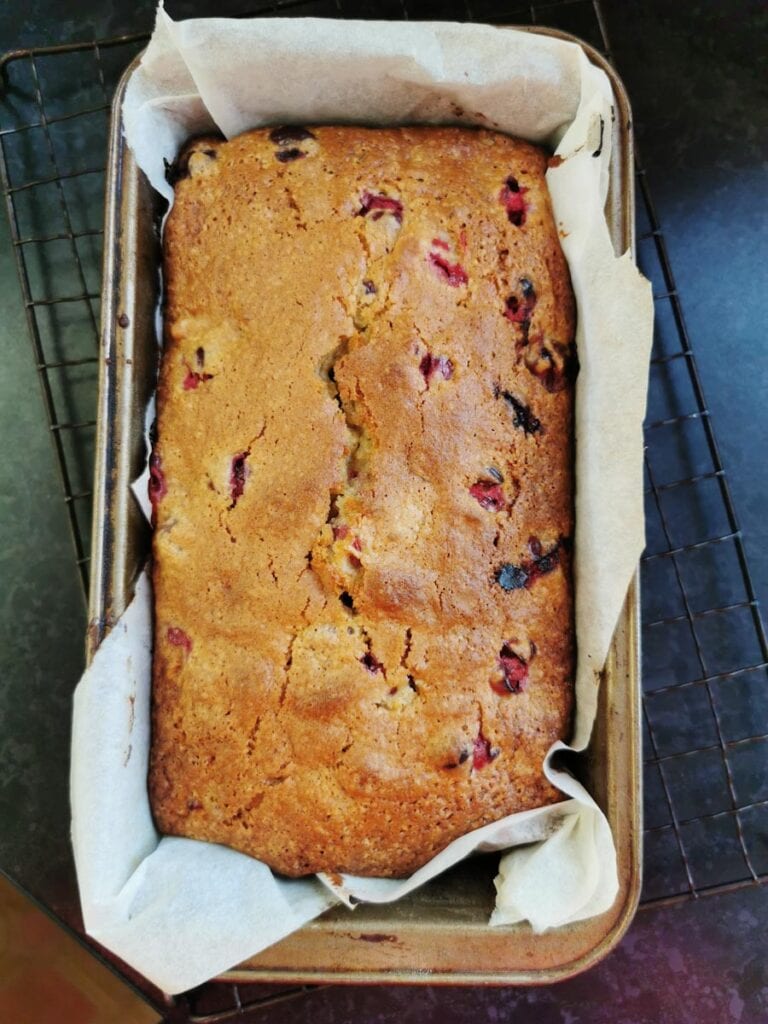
(439, 934)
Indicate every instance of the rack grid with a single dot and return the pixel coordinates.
(705, 700)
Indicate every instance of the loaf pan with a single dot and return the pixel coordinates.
(439, 934)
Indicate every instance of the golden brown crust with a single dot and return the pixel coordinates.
(365, 329)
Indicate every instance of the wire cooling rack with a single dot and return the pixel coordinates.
(705, 653)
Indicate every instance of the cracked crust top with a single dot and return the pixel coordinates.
(363, 494)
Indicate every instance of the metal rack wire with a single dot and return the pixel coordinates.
(51, 228)
(706, 656)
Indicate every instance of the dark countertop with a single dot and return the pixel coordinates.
(696, 77)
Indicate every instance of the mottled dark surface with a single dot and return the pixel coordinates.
(696, 74)
(673, 967)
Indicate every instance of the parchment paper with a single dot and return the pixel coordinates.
(179, 910)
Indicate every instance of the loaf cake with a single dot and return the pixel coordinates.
(362, 486)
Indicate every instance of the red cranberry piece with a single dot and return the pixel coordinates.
(516, 311)
(353, 559)
(179, 638)
(157, 487)
(441, 244)
(289, 133)
(512, 198)
(514, 673)
(286, 155)
(516, 209)
(488, 495)
(340, 531)
(237, 475)
(431, 365)
(372, 663)
(452, 273)
(520, 311)
(523, 417)
(193, 378)
(378, 205)
(482, 752)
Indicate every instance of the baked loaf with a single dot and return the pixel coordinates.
(363, 494)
